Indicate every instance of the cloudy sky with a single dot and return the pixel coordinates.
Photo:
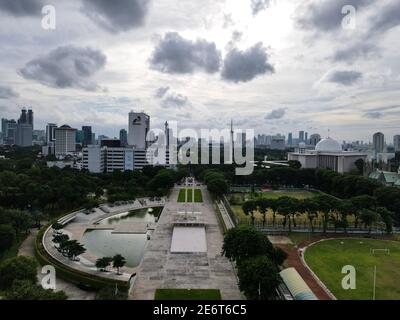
(273, 65)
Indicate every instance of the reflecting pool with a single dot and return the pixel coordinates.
(103, 243)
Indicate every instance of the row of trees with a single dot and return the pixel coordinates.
(330, 209)
(344, 186)
(215, 181)
(118, 261)
(257, 261)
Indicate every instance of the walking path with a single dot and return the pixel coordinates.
(162, 269)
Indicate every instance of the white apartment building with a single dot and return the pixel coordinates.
(65, 138)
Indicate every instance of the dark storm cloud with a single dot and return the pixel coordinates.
(21, 8)
(387, 18)
(116, 16)
(346, 78)
(244, 66)
(259, 5)
(7, 93)
(276, 114)
(325, 15)
(358, 50)
(174, 54)
(66, 67)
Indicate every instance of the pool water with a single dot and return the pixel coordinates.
(103, 243)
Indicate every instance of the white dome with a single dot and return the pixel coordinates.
(328, 145)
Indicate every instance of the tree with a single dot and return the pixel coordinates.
(26, 290)
(21, 221)
(387, 218)
(288, 206)
(60, 238)
(273, 205)
(294, 164)
(368, 217)
(118, 262)
(217, 186)
(103, 263)
(263, 205)
(258, 278)
(17, 268)
(7, 237)
(249, 208)
(37, 217)
(310, 207)
(360, 163)
(74, 249)
(327, 205)
(361, 203)
(245, 241)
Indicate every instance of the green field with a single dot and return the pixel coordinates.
(327, 259)
(187, 294)
(197, 195)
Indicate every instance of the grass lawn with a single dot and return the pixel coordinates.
(327, 258)
(187, 294)
(197, 195)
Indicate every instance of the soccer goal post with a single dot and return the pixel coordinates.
(380, 251)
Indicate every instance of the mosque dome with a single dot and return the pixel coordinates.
(328, 145)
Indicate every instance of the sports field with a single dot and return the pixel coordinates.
(327, 258)
(197, 195)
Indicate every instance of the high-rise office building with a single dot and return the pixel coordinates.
(24, 129)
(379, 142)
(65, 140)
(123, 137)
(396, 143)
(290, 139)
(306, 138)
(50, 137)
(139, 126)
(301, 136)
(314, 139)
(87, 136)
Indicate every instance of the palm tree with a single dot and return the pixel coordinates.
(118, 262)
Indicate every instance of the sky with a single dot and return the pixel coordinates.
(275, 66)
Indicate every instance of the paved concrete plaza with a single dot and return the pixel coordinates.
(162, 269)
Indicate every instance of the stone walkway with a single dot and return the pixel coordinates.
(162, 269)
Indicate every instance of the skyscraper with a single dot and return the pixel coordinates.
(123, 137)
(139, 126)
(87, 136)
(50, 138)
(396, 142)
(301, 136)
(290, 139)
(314, 139)
(306, 138)
(24, 129)
(379, 142)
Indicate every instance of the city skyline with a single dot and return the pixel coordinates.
(340, 80)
